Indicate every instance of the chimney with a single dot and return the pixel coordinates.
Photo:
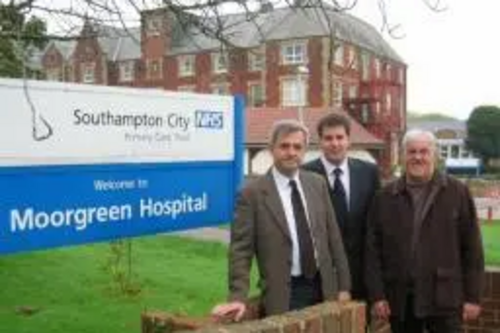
(266, 7)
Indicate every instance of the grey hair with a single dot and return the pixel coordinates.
(414, 133)
(285, 127)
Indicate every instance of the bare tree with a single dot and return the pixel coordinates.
(207, 16)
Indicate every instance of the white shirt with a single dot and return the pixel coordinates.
(285, 192)
(344, 177)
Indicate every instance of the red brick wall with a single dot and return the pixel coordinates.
(323, 318)
(52, 59)
(154, 47)
(87, 50)
(315, 65)
(489, 321)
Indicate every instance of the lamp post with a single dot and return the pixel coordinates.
(302, 71)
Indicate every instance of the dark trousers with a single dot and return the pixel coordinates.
(450, 323)
(305, 292)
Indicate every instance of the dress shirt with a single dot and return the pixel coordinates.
(285, 192)
(344, 177)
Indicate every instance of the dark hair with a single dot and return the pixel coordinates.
(333, 119)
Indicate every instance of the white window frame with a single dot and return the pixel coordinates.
(153, 26)
(69, 73)
(337, 93)
(338, 56)
(252, 100)
(388, 101)
(353, 91)
(388, 69)
(88, 72)
(293, 92)
(158, 74)
(186, 65)
(400, 75)
(365, 65)
(255, 61)
(53, 74)
(219, 62)
(220, 88)
(377, 66)
(353, 61)
(126, 71)
(294, 53)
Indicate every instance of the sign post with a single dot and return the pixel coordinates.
(81, 164)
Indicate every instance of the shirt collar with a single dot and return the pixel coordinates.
(330, 166)
(283, 181)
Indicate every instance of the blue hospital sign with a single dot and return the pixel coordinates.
(81, 164)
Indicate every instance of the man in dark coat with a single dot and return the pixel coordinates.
(351, 192)
(424, 256)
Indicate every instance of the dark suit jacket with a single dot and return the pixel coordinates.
(364, 182)
(260, 230)
(443, 252)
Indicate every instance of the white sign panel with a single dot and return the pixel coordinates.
(45, 123)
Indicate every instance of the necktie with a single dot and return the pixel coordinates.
(306, 248)
(340, 199)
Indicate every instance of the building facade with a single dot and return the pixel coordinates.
(291, 60)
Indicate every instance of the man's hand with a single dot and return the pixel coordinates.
(232, 310)
(344, 296)
(382, 310)
(471, 311)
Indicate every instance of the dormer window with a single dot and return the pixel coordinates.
(219, 63)
(339, 54)
(255, 61)
(126, 71)
(186, 65)
(293, 53)
(153, 26)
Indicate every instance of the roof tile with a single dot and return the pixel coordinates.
(260, 120)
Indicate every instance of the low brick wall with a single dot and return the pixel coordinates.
(489, 321)
(330, 317)
(323, 318)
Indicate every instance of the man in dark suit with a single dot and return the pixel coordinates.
(353, 184)
(424, 257)
(283, 219)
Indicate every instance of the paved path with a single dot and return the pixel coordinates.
(217, 234)
(214, 234)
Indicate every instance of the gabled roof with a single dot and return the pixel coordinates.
(260, 120)
(247, 31)
(287, 23)
(119, 43)
(65, 47)
(129, 46)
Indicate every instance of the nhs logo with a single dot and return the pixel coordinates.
(209, 119)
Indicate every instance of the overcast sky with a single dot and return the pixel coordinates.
(453, 56)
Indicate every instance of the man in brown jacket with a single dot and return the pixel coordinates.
(285, 220)
(424, 257)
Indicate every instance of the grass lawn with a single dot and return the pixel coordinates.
(74, 293)
(491, 242)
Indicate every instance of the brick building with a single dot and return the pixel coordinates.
(290, 58)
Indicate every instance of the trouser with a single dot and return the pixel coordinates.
(409, 323)
(305, 292)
